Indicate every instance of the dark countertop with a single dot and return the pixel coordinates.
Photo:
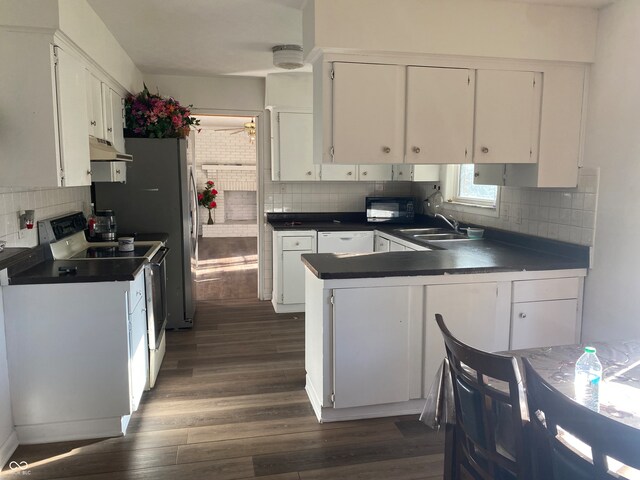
(108, 270)
(10, 256)
(498, 251)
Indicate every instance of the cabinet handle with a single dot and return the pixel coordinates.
(118, 171)
(484, 150)
(89, 172)
(93, 123)
(308, 173)
(364, 173)
(109, 129)
(416, 149)
(399, 173)
(386, 149)
(349, 173)
(476, 175)
(523, 315)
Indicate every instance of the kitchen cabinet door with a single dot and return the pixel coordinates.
(94, 105)
(544, 324)
(138, 353)
(113, 113)
(371, 346)
(293, 147)
(368, 113)
(372, 173)
(507, 116)
(339, 173)
(401, 173)
(440, 108)
(381, 244)
(426, 173)
(72, 120)
(475, 313)
(293, 276)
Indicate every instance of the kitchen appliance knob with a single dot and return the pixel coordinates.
(93, 123)
(416, 149)
(386, 149)
(523, 315)
(484, 150)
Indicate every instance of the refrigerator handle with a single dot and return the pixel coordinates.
(195, 213)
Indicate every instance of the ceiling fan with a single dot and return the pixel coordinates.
(249, 128)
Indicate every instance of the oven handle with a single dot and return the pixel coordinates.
(159, 257)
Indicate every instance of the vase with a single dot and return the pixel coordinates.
(211, 221)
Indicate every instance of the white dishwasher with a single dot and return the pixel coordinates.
(345, 242)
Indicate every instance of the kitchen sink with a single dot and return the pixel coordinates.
(412, 232)
(430, 237)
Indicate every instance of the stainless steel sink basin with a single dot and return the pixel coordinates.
(422, 231)
(430, 237)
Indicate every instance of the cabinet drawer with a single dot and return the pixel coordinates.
(136, 292)
(297, 243)
(548, 289)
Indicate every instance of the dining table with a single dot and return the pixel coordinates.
(619, 393)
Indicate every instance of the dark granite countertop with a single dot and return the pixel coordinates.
(10, 256)
(498, 251)
(108, 270)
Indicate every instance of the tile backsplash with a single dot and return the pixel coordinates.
(568, 215)
(47, 202)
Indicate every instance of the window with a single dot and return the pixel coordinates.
(463, 190)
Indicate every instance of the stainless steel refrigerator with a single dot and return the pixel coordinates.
(160, 196)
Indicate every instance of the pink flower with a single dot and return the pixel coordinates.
(210, 182)
(213, 204)
(214, 191)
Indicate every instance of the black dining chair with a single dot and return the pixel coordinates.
(556, 423)
(488, 439)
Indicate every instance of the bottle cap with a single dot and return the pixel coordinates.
(590, 349)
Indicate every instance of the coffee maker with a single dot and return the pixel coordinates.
(106, 227)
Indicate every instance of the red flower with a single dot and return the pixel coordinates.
(210, 183)
(214, 191)
(200, 196)
(213, 205)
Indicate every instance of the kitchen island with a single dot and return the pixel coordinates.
(372, 347)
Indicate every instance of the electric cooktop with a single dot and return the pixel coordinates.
(111, 252)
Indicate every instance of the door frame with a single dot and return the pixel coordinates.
(261, 147)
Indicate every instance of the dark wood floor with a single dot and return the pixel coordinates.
(227, 268)
(230, 404)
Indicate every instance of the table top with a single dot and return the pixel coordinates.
(620, 385)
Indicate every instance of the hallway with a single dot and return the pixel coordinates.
(230, 404)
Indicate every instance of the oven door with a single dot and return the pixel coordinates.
(156, 286)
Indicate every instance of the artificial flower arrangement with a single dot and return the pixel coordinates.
(207, 198)
(149, 115)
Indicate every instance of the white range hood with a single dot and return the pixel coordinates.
(104, 151)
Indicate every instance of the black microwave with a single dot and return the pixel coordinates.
(390, 209)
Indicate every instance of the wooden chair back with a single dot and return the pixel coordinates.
(491, 413)
(554, 415)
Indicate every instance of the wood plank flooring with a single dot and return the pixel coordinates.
(230, 404)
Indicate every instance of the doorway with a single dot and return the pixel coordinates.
(223, 151)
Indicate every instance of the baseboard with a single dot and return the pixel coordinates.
(76, 430)
(287, 308)
(7, 448)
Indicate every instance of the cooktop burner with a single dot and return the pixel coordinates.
(111, 252)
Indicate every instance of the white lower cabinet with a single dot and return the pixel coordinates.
(288, 269)
(545, 313)
(374, 368)
(79, 370)
(475, 313)
(373, 347)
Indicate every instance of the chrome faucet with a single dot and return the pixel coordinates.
(452, 222)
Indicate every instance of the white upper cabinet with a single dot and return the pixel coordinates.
(113, 115)
(370, 173)
(440, 104)
(291, 147)
(72, 120)
(94, 105)
(507, 116)
(368, 113)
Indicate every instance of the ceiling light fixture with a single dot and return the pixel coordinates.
(287, 56)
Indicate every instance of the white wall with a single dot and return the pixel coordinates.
(488, 28)
(612, 302)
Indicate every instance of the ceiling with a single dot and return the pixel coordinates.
(217, 37)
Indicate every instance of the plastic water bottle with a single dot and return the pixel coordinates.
(587, 379)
